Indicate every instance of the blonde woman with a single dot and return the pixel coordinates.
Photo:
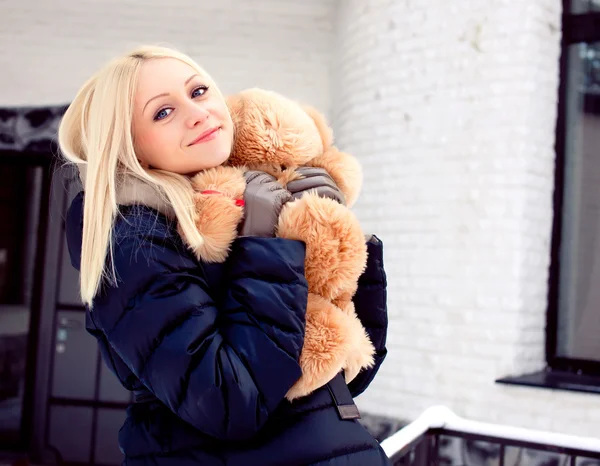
(209, 350)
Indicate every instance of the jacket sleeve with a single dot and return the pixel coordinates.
(221, 369)
(370, 302)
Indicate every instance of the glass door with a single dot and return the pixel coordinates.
(21, 207)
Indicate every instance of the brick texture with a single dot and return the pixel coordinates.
(451, 107)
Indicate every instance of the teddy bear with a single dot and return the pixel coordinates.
(277, 135)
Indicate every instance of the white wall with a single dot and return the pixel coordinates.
(452, 107)
(49, 48)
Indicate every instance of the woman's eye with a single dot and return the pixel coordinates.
(164, 113)
(199, 91)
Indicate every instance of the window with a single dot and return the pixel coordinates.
(573, 332)
(573, 327)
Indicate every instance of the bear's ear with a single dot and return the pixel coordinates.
(322, 125)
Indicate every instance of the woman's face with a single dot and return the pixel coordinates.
(180, 124)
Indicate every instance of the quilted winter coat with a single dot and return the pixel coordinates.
(210, 350)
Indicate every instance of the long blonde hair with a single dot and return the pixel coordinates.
(96, 134)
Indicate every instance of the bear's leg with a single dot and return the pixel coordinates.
(329, 334)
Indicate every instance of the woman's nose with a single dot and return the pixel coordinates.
(196, 115)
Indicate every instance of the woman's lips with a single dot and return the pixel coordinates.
(206, 136)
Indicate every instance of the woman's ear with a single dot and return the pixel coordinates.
(322, 125)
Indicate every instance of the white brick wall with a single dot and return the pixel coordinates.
(451, 107)
(48, 49)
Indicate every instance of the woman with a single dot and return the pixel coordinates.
(209, 350)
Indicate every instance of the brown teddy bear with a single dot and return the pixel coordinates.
(277, 135)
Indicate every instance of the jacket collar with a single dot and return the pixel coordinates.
(132, 190)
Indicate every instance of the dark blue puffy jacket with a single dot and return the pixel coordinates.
(211, 350)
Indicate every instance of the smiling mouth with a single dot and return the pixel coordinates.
(205, 136)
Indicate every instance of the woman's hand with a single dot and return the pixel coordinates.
(317, 180)
(264, 197)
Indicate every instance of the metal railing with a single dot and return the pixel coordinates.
(440, 437)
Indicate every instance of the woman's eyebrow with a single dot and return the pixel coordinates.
(155, 97)
(190, 78)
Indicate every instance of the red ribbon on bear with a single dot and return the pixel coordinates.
(238, 202)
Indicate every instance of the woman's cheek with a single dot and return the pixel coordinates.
(152, 143)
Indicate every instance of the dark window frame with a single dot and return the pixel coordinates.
(576, 28)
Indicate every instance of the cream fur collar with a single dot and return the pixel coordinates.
(132, 191)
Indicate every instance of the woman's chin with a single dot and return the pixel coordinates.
(208, 161)
(219, 157)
